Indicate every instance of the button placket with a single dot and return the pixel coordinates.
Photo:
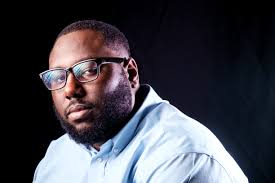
(97, 169)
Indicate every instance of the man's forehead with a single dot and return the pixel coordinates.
(76, 46)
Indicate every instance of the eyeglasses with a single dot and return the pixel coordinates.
(84, 71)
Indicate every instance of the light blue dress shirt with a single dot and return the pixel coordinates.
(159, 144)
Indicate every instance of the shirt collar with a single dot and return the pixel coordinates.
(126, 134)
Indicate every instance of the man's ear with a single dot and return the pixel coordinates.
(131, 69)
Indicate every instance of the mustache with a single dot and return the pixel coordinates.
(75, 105)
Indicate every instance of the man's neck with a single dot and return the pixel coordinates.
(97, 145)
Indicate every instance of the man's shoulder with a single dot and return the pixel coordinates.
(63, 156)
(62, 149)
(56, 147)
(60, 144)
(169, 129)
(171, 136)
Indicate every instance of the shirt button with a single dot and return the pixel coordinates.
(99, 159)
(115, 150)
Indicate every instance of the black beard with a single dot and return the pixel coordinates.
(117, 107)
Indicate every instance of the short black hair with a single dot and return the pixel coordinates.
(113, 37)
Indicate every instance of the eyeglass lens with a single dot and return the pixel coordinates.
(84, 72)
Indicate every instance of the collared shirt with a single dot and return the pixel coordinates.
(158, 144)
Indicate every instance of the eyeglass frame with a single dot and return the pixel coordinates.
(98, 60)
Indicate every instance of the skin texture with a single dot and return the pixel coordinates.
(107, 101)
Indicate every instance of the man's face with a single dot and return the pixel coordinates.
(95, 111)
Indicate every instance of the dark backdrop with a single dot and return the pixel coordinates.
(213, 60)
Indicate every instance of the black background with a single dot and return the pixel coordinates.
(213, 60)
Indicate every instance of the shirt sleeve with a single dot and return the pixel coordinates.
(188, 168)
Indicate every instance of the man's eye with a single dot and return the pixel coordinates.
(88, 72)
(58, 80)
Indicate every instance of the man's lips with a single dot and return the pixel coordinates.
(77, 110)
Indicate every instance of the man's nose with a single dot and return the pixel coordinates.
(73, 88)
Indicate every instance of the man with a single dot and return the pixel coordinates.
(118, 130)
